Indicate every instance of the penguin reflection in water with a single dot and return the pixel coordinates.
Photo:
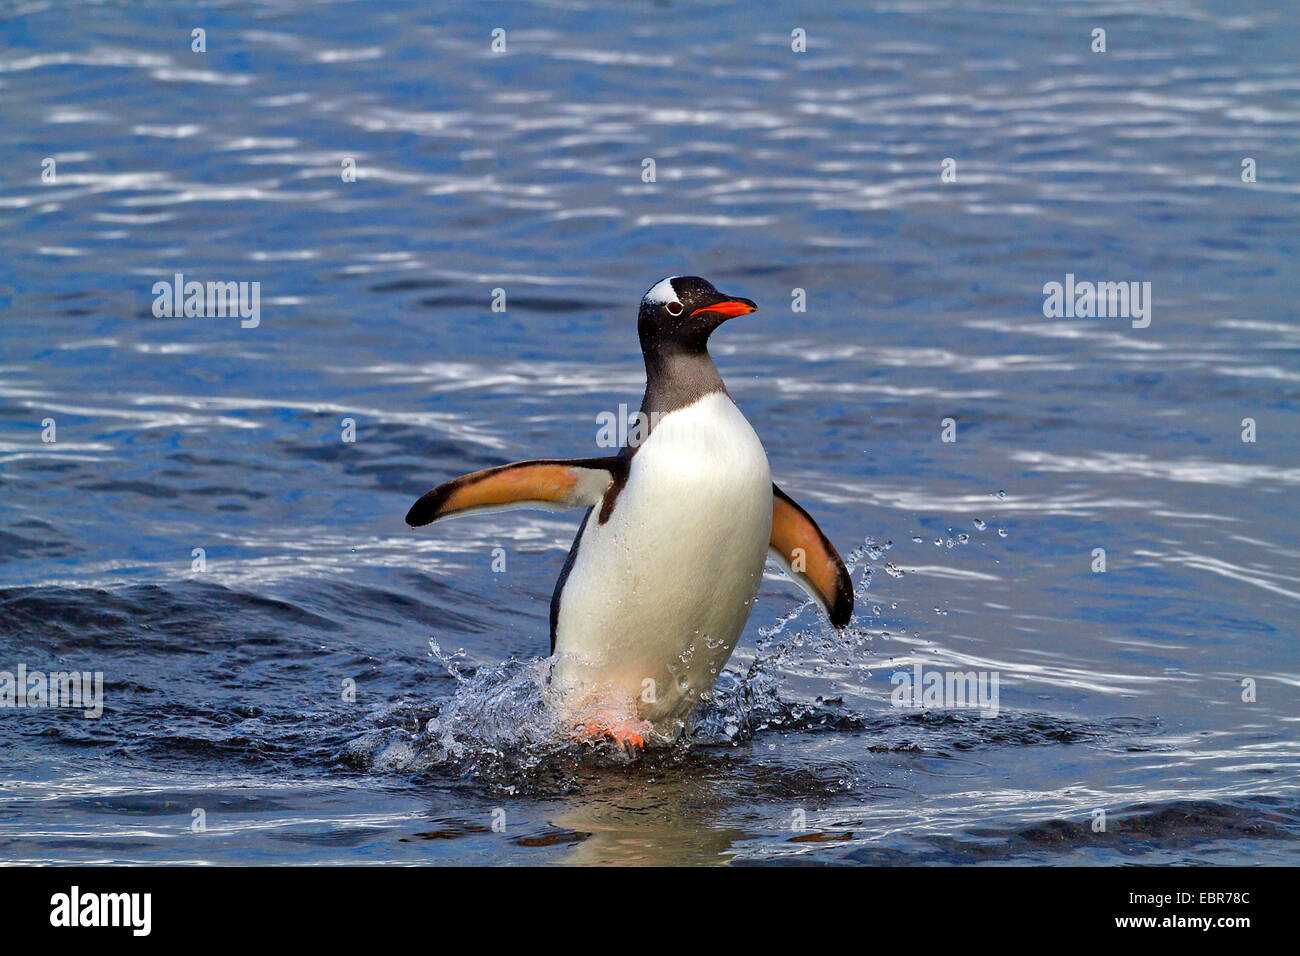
(665, 568)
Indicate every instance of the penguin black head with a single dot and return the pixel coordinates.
(680, 313)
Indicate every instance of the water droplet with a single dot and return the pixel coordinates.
(979, 524)
(1002, 532)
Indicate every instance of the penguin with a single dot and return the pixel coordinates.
(667, 562)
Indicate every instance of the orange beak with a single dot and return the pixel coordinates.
(729, 308)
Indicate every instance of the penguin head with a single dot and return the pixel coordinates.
(682, 312)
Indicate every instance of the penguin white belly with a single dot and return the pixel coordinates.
(657, 597)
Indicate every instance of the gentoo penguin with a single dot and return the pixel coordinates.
(665, 568)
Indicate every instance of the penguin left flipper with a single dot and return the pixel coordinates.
(809, 557)
(552, 483)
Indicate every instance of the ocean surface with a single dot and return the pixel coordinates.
(207, 510)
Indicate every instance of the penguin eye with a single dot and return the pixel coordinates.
(674, 308)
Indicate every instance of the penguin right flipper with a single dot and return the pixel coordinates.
(809, 557)
(552, 483)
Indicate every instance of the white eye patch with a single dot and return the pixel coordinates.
(662, 292)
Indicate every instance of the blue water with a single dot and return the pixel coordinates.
(1120, 691)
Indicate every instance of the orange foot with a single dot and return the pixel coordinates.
(626, 732)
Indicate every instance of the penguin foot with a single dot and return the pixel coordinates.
(627, 732)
